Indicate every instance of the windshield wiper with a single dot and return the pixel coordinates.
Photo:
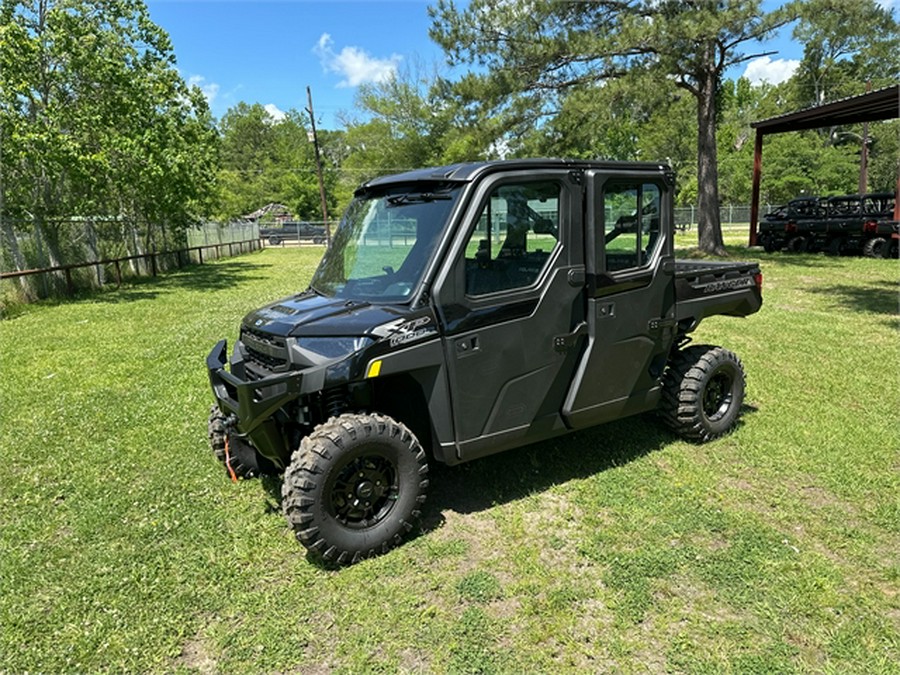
(414, 197)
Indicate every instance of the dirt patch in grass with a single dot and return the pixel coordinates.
(414, 661)
(556, 525)
(195, 656)
(478, 533)
(811, 655)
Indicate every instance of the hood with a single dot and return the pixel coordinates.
(311, 314)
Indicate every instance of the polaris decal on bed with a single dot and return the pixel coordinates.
(729, 285)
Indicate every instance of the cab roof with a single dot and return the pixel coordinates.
(468, 171)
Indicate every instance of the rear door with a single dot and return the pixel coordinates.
(631, 300)
(511, 302)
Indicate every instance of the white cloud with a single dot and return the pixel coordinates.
(274, 112)
(357, 66)
(210, 89)
(765, 69)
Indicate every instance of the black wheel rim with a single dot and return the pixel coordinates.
(717, 397)
(364, 491)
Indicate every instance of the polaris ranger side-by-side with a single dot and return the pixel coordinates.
(465, 310)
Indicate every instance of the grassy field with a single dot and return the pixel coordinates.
(620, 549)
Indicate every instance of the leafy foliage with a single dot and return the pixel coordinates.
(97, 122)
(265, 160)
(532, 55)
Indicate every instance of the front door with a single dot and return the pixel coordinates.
(512, 306)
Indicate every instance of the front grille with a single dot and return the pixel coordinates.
(265, 351)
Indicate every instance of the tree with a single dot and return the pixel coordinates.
(96, 122)
(845, 44)
(530, 54)
(407, 123)
(266, 160)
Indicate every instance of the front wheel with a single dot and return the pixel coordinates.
(768, 244)
(703, 390)
(355, 487)
(240, 459)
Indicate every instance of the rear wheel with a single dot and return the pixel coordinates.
(274, 241)
(877, 247)
(797, 244)
(703, 392)
(836, 246)
(355, 487)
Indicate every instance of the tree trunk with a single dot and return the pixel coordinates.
(136, 248)
(92, 248)
(709, 227)
(8, 233)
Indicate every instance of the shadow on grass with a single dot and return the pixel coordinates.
(209, 277)
(514, 474)
(877, 296)
(214, 276)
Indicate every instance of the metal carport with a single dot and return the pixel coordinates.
(882, 104)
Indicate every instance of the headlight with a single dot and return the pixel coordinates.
(313, 351)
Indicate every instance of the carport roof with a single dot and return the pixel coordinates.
(882, 104)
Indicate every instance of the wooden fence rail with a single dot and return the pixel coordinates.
(252, 245)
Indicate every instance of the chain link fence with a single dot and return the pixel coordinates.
(91, 253)
(686, 216)
(210, 234)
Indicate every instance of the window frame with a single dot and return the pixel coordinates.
(482, 204)
(645, 260)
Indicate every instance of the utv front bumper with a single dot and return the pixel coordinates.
(253, 401)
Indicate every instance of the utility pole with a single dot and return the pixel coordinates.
(315, 140)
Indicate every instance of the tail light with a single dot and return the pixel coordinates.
(758, 278)
(870, 226)
(790, 227)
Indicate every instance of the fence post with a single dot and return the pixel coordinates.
(70, 289)
(153, 260)
(118, 274)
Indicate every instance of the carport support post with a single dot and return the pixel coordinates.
(897, 200)
(757, 174)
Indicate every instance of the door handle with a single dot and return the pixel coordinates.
(563, 343)
(468, 345)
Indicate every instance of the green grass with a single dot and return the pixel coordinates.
(123, 547)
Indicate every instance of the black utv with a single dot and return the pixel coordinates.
(465, 310)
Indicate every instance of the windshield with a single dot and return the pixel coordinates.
(384, 242)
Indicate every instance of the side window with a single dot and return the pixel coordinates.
(515, 233)
(630, 224)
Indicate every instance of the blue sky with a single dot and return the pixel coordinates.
(269, 51)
